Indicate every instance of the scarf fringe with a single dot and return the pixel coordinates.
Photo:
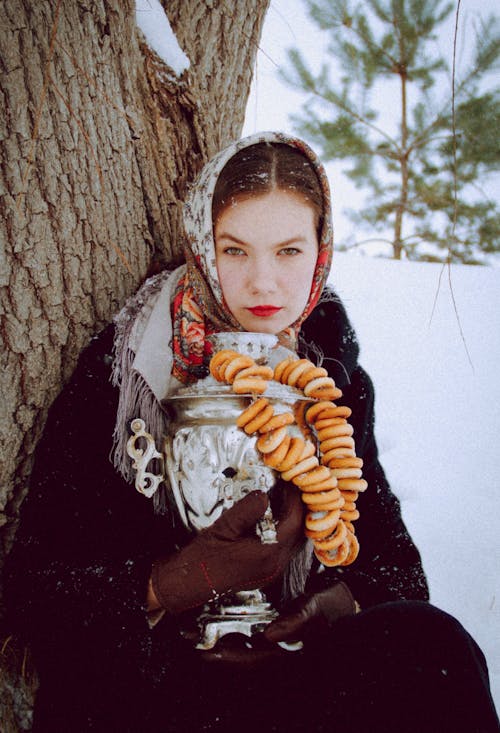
(136, 398)
(297, 572)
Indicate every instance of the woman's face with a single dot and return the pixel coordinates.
(266, 248)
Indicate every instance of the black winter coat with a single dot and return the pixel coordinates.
(77, 575)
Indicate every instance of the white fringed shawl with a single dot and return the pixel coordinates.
(142, 366)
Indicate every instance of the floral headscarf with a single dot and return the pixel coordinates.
(198, 308)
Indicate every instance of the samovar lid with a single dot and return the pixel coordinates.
(262, 347)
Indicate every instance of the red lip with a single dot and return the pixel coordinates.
(264, 311)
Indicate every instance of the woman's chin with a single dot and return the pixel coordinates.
(264, 325)
(262, 328)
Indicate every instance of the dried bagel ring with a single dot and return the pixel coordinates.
(326, 422)
(328, 506)
(302, 467)
(251, 411)
(353, 484)
(308, 376)
(335, 411)
(340, 441)
(299, 367)
(334, 557)
(268, 442)
(250, 385)
(353, 549)
(349, 526)
(313, 535)
(331, 456)
(322, 521)
(333, 540)
(234, 366)
(221, 369)
(349, 506)
(316, 475)
(263, 417)
(350, 495)
(280, 368)
(218, 359)
(277, 421)
(288, 370)
(322, 497)
(315, 409)
(256, 370)
(348, 462)
(295, 450)
(299, 411)
(351, 516)
(276, 456)
(320, 534)
(315, 384)
(335, 431)
(326, 485)
(325, 393)
(346, 472)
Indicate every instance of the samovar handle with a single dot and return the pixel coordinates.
(145, 482)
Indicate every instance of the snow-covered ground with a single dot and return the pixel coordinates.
(438, 421)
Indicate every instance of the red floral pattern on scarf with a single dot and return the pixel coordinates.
(190, 332)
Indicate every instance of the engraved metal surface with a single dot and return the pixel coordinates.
(210, 462)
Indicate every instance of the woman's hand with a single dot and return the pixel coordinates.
(310, 615)
(228, 556)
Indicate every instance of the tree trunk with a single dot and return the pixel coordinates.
(100, 139)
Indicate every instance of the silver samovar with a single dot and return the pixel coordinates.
(210, 463)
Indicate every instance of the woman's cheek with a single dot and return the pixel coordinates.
(300, 277)
(229, 274)
(222, 271)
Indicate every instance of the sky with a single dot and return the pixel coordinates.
(271, 101)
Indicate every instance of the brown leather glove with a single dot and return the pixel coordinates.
(310, 615)
(229, 556)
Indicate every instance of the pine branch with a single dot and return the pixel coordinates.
(309, 84)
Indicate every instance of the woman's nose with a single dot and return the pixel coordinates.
(261, 275)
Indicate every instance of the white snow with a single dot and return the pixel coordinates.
(153, 22)
(438, 421)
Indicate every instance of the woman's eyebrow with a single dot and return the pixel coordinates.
(226, 235)
(285, 243)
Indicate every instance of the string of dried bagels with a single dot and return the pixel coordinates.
(329, 484)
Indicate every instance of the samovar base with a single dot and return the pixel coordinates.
(246, 613)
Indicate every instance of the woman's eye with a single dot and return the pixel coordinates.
(233, 251)
(288, 251)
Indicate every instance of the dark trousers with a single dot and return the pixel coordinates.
(403, 667)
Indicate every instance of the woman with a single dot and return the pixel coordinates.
(100, 581)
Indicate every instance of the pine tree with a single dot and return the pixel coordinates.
(423, 179)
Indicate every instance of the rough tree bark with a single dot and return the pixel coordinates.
(99, 140)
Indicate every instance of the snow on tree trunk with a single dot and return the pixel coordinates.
(100, 139)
